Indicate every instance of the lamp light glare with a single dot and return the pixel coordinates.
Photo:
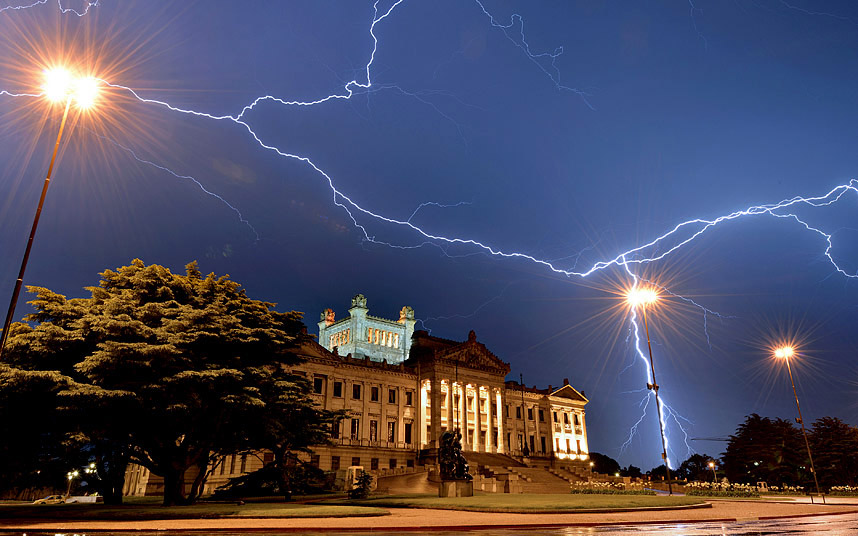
(784, 352)
(60, 85)
(641, 296)
(57, 84)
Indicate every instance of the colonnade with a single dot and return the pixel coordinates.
(476, 410)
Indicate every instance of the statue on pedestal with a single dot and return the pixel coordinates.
(452, 463)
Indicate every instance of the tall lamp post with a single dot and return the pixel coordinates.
(59, 86)
(786, 352)
(714, 476)
(643, 297)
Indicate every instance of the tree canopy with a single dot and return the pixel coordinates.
(168, 370)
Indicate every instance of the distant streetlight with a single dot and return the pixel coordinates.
(643, 297)
(71, 476)
(59, 85)
(785, 353)
(714, 476)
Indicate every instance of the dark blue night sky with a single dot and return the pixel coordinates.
(653, 114)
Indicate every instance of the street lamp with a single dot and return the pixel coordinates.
(71, 476)
(643, 297)
(59, 85)
(786, 352)
(714, 476)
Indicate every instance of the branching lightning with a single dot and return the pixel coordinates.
(653, 251)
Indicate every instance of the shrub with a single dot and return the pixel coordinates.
(721, 493)
(611, 491)
(361, 487)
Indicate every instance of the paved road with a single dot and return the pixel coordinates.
(837, 525)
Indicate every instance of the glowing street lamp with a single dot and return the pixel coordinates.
(71, 476)
(786, 352)
(643, 297)
(714, 476)
(59, 85)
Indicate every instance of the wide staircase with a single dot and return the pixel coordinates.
(489, 459)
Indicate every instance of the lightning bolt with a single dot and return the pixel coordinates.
(63, 10)
(653, 251)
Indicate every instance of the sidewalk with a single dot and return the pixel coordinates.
(405, 519)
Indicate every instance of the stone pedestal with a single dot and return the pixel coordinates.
(456, 488)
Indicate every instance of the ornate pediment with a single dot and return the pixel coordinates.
(474, 355)
(567, 391)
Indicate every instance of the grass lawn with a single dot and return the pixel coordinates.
(147, 509)
(529, 503)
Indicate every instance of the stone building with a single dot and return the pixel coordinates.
(403, 388)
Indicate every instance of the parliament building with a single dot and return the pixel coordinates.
(402, 388)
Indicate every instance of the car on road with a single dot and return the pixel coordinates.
(51, 499)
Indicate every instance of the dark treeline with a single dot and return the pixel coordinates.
(172, 372)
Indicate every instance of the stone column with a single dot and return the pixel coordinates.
(435, 409)
(364, 422)
(537, 444)
(451, 423)
(490, 440)
(463, 416)
(501, 432)
(421, 416)
(478, 421)
(584, 446)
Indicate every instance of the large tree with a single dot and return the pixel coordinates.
(766, 450)
(835, 451)
(168, 370)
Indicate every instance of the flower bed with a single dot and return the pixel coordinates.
(609, 488)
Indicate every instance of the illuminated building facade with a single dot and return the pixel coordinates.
(402, 389)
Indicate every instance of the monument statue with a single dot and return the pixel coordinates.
(452, 463)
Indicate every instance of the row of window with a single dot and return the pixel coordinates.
(356, 460)
(357, 392)
(340, 338)
(382, 337)
(355, 433)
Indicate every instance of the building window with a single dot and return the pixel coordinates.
(391, 396)
(532, 450)
(518, 412)
(542, 441)
(577, 421)
(391, 431)
(565, 418)
(554, 413)
(355, 460)
(506, 411)
(335, 429)
(409, 398)
(318, 385)
(408, 432)
(509, 440)
(244, 463)
(314, 460)
(373, 464)
(529, 414)
(520, 442)
(338, 389)
(392, 463)
(356, 391)
(373, 394)
(368, 334)
(541, 417)
(355, 429)
(335, 463)
(373, 430)
(232, 464)
(409, 463)
(568, 445)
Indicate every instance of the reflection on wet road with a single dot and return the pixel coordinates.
(832, 525)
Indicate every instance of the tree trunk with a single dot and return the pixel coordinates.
(281, 461)
(174, 487)
(200, 480)
(112, 473)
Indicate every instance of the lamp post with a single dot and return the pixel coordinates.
(59, 86)
(786, 352)
(714, 476)
(71, 476)
(643, 297)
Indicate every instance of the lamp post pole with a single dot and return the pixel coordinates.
(19, 282)
(654, 387)
(787, 353)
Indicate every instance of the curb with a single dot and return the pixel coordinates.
(416, 528)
